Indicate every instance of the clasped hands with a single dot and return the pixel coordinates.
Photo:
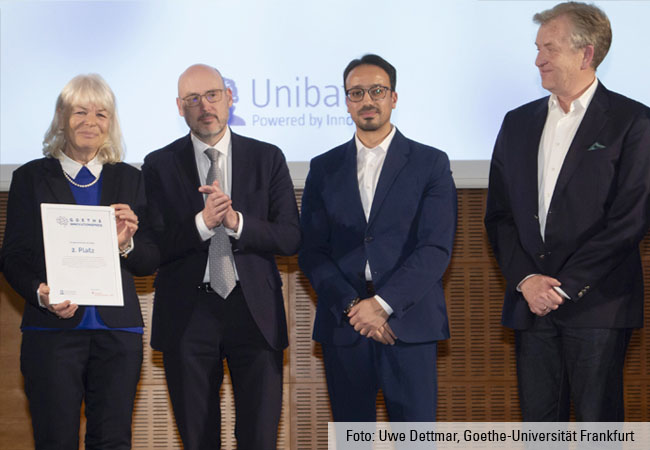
(370, 320)
(539, 293)
(218, 208)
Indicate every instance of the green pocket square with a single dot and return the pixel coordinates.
(595, 146)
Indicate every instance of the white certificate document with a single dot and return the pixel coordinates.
(81, 254)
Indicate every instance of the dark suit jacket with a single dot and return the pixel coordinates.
(407, 239)
(23, 260)
(597, 216)
(263, 192)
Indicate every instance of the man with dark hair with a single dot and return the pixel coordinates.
(222, 206)
(373, 60)
(568, 204)
(378, 221)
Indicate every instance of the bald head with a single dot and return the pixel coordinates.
(198, 74)
(204, 102)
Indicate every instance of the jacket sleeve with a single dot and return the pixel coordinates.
(22, 264)
(625, 222)
(331, 286)
(514, 261)
(435, 227)
(174, 238)
(143, 260)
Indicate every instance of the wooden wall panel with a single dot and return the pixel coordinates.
(476, 367)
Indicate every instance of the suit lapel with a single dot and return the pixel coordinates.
(238, 169)
(57, 182)
(529, 155)
(189, 174)
(110, 185)
(396, 158)
(593, 121)
(348, 180)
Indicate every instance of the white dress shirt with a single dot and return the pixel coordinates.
(559, 130)
(369, 164)
(224, 147)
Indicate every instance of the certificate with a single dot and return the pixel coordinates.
(81, 254)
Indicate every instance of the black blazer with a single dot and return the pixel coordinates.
(598, 214)
(263, 192)
(23, 260)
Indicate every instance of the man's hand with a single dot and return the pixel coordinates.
(367, 316)
(384, 335)
(540, 295)
(63, 310)
(217, 205)
(231, 219)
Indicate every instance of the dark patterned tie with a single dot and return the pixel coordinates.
(222, 271)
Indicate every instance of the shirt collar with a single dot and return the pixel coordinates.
(72, 167)
(580, 103)
(383, 146)
(223, 146)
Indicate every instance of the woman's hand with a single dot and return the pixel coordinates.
(127, 223)
(63, 310)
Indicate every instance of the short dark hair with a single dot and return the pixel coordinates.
(373, 60)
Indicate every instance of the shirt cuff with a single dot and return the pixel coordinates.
(130, 249)
(522, 281)
(38, 299)
(384, 305)
(202, 228)
(236, 234)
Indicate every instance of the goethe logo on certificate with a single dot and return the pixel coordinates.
(79, 221)
(297, 102)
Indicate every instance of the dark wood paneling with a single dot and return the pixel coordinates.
(476, 367)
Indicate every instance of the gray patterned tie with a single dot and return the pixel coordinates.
(222, 271)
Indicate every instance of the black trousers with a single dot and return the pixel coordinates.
(62, 368)
(221, 329)
(558, 364)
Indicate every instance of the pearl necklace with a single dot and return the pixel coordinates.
(74, 183)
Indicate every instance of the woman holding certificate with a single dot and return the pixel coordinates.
(71, 352)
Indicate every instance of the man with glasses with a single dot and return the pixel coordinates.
(378, 221)
(222, 206)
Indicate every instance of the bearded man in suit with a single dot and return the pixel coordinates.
(222, 207)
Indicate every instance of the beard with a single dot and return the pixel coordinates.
(207, 132)
(371, 124)
(368, 126)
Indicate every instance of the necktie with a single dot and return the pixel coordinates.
(222, 271)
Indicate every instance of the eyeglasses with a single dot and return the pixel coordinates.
(375, 92)
(212, 96)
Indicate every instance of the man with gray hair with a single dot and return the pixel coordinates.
(568, 204)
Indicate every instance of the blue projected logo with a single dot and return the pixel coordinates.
(233, 120)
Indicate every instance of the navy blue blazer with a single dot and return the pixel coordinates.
(263, 192)
(407, 239)
(598, 214)
(23, 258)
